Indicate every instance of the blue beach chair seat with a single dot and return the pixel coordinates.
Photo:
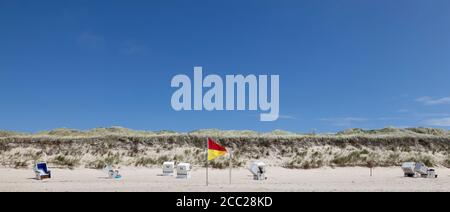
(41, 171)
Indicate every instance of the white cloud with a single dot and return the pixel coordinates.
(441, 122)
(131, 47)
(388, 118)
(431, 115)
(426, 100)
(280, 116)
(277, 116)
(91, 40)
(286, 117)
(344, 121)
(402, 111)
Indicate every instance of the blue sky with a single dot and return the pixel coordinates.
(342, 64)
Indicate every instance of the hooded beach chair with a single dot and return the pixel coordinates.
(184, 170)
(258, 169)
(112, 174)
(41, 171)
(413, 169)
(168, 168)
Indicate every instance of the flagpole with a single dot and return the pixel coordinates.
(207, 147)
(231, 166)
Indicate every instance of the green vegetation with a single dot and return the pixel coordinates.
(121, 131)
(145, 161)
(397, 132)
(20, 164)
(447, 161)
(354, 158)
(5, 133)
(65, 161)
(119, 146)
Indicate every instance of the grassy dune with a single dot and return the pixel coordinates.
(67, 148)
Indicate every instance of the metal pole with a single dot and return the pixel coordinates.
(207, 147)
(231, 165)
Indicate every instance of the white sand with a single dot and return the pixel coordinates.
(279, 179)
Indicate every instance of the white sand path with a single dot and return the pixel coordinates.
(279, 179)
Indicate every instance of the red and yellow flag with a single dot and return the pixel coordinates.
(215, 150)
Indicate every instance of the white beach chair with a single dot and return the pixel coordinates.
(413, 169)
(409, 169)
(258, 169)
(168, 168)
(184, 170)
(41, 171)
(112, 174)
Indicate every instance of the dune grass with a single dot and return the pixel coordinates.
(119, 146)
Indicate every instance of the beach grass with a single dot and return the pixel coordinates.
(70, 148)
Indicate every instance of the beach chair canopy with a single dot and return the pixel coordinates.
(169, 164)
(108, 168)
(258, 168)
(43, 167)
(184, 166)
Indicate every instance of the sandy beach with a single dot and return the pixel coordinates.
(279, 180)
